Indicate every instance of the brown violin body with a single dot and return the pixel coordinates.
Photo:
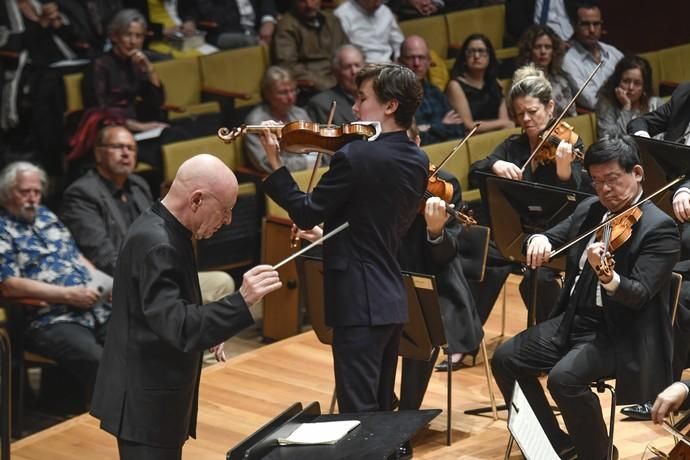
(562, 132)
(621, 231)
(306, 136)
(436, 186)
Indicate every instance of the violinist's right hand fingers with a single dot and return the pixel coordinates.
(506, 169)
(538, 251)
(681, 205)
(564, 150)
(668, 401)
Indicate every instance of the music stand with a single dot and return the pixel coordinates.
(378, 436)
(519, 208)
(421, 334)
(662, 161)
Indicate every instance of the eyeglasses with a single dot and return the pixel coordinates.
(588, 24)
(481, 52)
(610, 182)
(414, 57)
(227, 212)
(129, 147)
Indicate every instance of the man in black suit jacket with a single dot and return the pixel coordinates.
(148, 380)
(376, 187)
(606, 324)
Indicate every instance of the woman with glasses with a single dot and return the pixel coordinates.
(541, 46)
(626, 95)
(474, 91)
(279, 94)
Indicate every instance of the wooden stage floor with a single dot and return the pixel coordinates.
(242, 394)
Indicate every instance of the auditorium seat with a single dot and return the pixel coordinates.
(432, 28)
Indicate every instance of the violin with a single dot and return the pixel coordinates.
(306, 136)
(562, 132)
(615, 234)
(436, 186)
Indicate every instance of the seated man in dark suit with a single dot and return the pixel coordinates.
(99, 207)
(607, 323)
(40, 260)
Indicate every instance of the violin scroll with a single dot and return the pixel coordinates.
(229, 135)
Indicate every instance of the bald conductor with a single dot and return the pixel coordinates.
(148, 381)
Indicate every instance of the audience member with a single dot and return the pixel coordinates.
(279, 94)
(521, 14)
(304, 42)
(543, 47)
(586, 52)
(40, 260)
(626, 95)
(372, 26)
(436, 120)
(474, 91)
(347, 61)
(233, 23)
(99, 207)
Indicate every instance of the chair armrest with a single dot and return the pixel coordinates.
(173, 108)
(306, 83)
(223, 93)
(666, 87)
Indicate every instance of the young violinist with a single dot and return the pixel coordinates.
(376, 187)
(608, 323)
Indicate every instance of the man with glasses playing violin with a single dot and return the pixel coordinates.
(611, 321)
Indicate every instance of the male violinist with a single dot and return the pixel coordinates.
(376, 187)
(612, 323)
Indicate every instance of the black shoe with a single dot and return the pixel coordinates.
(567, 453)
(405, 451)
(443, 366)
(638, 411)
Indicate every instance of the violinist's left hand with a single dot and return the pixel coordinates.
(310, 235)
(595, 251)
(435, 216)
(564, 156)
(681, 205)
(271, 145)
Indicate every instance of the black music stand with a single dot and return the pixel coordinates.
(421, 335)
(516, 209)
(377, 437)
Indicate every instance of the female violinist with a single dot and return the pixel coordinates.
(279, 93)
(530, 101)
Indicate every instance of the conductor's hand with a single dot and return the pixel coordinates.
(538, 251)
(435, 216)
(80, 296)
(681, 205)
(668, 401)
(257, 282)
(271, 145)
(507, 169)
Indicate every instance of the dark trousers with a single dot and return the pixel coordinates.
(75, 347)
(588, 357)
(548, 291)
(415, 380)
(365, 359)
(681, 332)
(130, 450)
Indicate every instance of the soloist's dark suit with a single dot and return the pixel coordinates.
(376, 187)
(463, 327)
(629, 338)
(672, 118)
(100, 238)
(148, 380)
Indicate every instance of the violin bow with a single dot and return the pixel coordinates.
(454, 150)
(614, 216)
(306, 248)
(560, 117)
(294, 239)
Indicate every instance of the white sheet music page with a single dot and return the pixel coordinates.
(319, 432)
(526, 429)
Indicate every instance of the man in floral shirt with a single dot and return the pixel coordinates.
(40, 260)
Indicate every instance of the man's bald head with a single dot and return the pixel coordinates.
(202, 195)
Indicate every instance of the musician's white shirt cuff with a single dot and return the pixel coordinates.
(434, 240)
(641, 133)
(682, 189)
(612, 285)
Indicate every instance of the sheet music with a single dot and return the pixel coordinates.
(319, 432)
(526, 429)
(148, 134)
